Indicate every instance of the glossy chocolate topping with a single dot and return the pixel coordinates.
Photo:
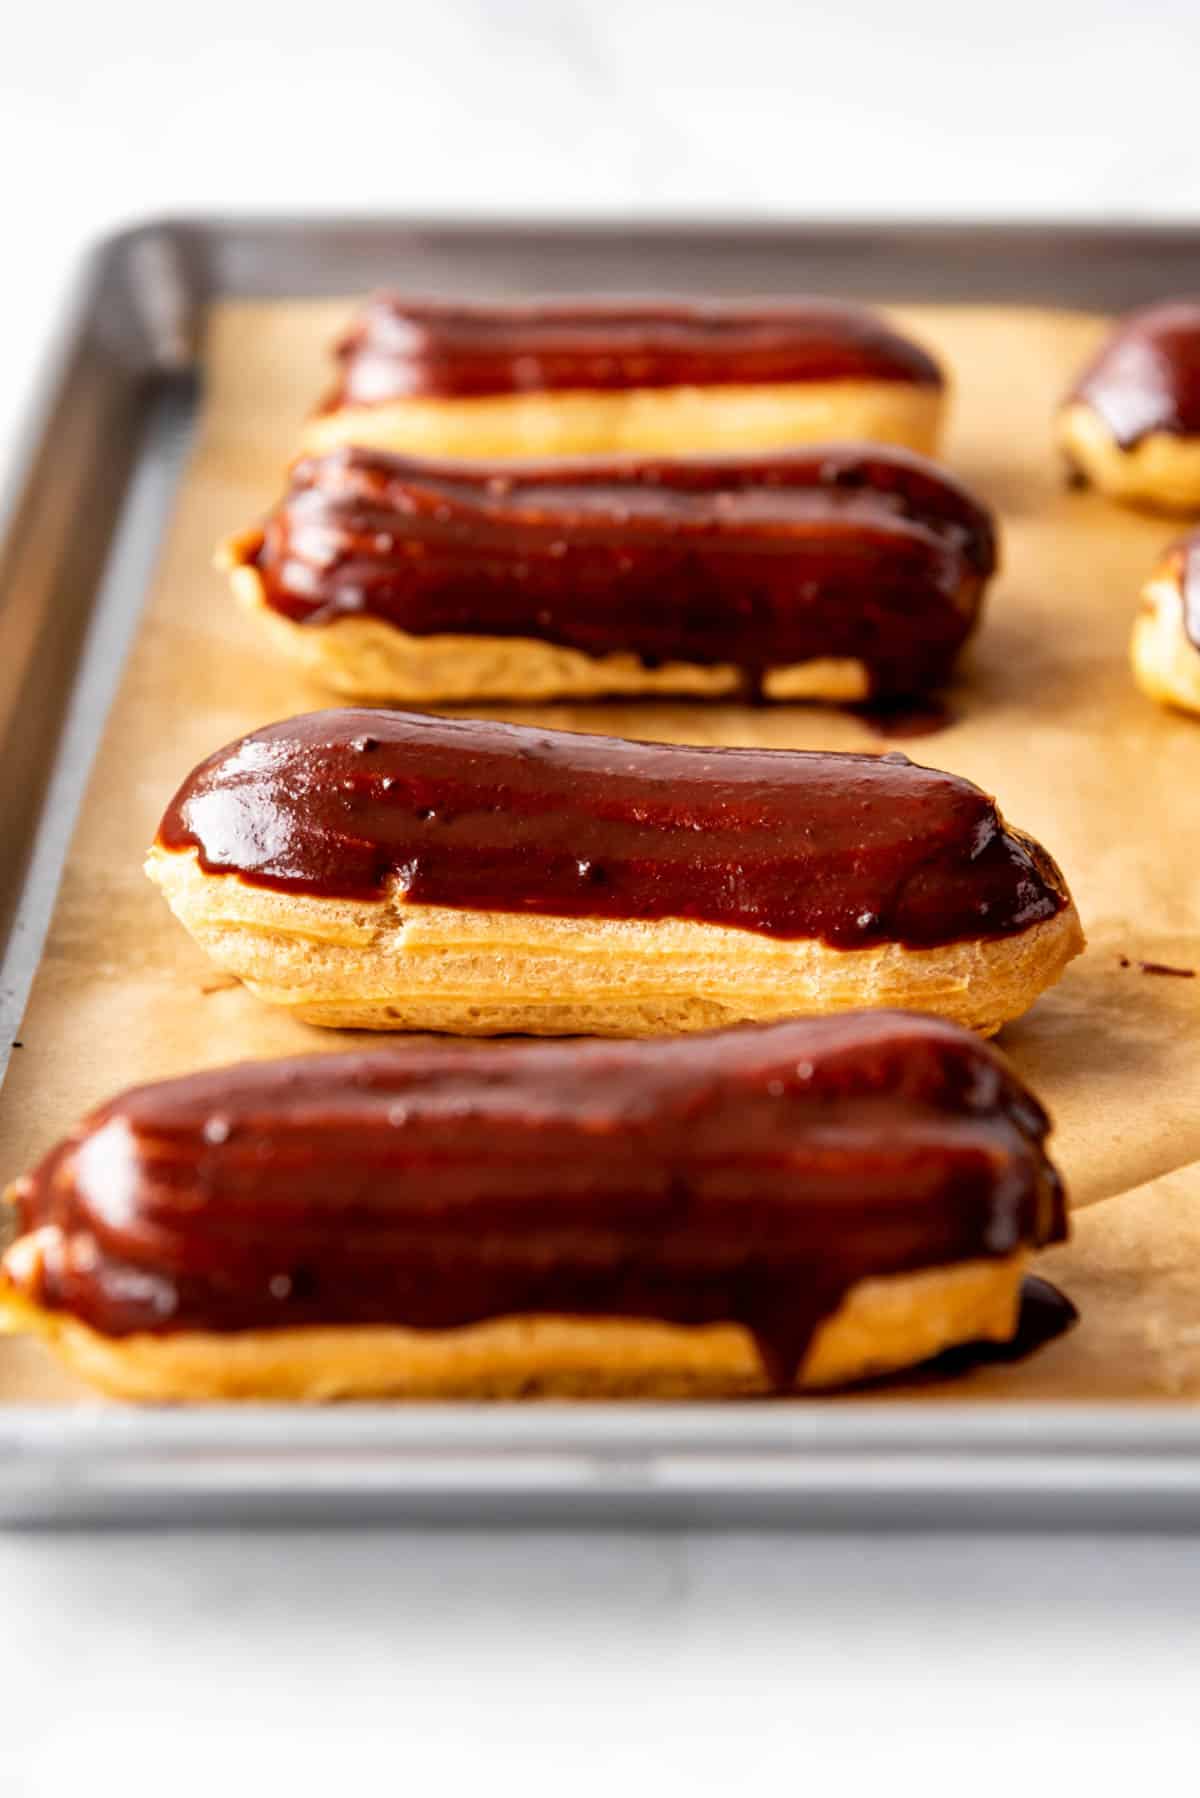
(752, 1176)
(1146, 376)
(852, 849)
(401, 348)
(760, 561)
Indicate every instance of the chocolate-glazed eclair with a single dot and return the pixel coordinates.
(388, 871)
(840, 572)
(1165, 650)
(790, 1207)
(594, 376)
(1131, 424)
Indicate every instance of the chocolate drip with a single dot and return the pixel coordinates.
(898, 719)
(1146, 375)
(760, 561)
(850, 849)
(751, 1176)
(402, 348)
(1045, 1314)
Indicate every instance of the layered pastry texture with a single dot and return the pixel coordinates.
(1166, 634)
(759, 1209)
(385, 870)
(1131, 425)
(839, 572)
(595, 376)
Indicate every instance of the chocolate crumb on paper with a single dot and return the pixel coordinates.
(1157, 967)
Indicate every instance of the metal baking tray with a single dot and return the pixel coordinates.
(78, 536)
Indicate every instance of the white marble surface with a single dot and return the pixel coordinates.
(190, 1663)
(572, 1666)
(771, 108)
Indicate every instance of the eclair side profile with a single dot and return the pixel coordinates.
(1165, 648)
(1131, 425)
(841, 572)
(759, 1210)
(429, 377)
(383, 870)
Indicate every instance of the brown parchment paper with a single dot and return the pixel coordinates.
(1048, 719)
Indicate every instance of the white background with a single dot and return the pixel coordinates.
(389, 1662)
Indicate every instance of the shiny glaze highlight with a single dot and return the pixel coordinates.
(1146, 376)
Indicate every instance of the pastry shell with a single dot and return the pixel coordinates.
(391, 965)
(881, 1325)
(638, 420)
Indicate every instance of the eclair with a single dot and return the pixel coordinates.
(1131, 425)
(1165, 650)
(594, 376)
(382, 870)
(757, 1210)
(838, 572)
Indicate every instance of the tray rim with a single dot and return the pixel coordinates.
(201, 232)
(1142, 1458)
(1182, 229)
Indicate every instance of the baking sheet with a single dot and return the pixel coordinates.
(1048, 719)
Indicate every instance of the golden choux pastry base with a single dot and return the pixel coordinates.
(1161, 472)
(368, 659)
(881, 1325)
(389, 965)
(639, 420)
(1166, 663)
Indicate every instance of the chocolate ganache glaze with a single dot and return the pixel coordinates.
(400, 348)
(1146, 376)
(760, 561)
(751, 1176)
(852, 849)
